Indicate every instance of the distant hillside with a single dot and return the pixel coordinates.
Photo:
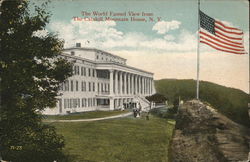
(229, 101)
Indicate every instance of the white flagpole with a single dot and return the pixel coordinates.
(198, 53)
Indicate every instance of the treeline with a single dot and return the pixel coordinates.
(229, 101)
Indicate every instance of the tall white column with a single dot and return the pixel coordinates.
(125, 83)
(111, 83)
(129, 88)
(151, 86)
(120, 82)
(132, 84)
(139, 85)
(142, 84)
(143, 79)
(135, 84)
(147, 85)
(116, 82)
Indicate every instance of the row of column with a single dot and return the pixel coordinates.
(124, 83)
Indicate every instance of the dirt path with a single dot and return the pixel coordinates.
(94, 119)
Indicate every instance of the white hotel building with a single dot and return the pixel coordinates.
(101, 81)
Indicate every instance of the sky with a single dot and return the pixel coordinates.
(166, 44)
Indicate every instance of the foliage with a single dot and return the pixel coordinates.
(158, 98)
(176, 103)
(31, 72)
(164, 112)
(229, 101)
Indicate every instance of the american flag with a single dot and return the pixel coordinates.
(220, 36)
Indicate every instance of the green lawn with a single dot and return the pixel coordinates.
(123, 139)
(84, 115)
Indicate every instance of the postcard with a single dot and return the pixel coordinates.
(125, 80)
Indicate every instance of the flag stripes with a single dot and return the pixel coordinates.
(226, 27)
(223, 42)
(220, 49)
(220, 45)
(220, 36)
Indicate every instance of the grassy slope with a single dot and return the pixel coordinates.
(84, 115)
(229, 101)
(124, 139)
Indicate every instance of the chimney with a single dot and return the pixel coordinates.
(78, 44)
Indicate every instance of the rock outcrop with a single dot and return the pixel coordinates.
(204, 135)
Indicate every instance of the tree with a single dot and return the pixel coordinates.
(31, 72)
(158, 98)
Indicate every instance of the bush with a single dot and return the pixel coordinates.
(167, 113)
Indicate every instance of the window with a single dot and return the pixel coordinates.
(84, 86)
(89, 86)
(76, 85)
(78, 102)
(65, 103)
(93, 73)
(73, 70)
(84, 71)
(72, 53)
(98, 87)
(66, 85)
(72, 85)
(93, 86)
(89, 72)
(70, 103)
(83, 102)
(81, 71)
(97, 57)
(90, 103)
(77, 70)
(74, 103)
(93, 101)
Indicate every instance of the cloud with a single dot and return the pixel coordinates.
(163, 27)
(106, 36)
(91, 33)
(169, 37)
